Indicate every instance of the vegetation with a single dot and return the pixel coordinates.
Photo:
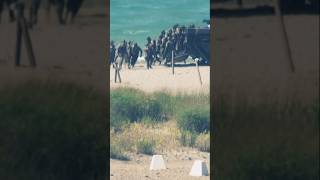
(136, 115)
(194, 119)
(52, 131)
(266, 141)
(145, 146)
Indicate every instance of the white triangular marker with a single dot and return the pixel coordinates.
(157, 163)
(199, 168)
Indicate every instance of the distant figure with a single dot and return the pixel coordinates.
(121, 54)
(148, 41)
(112, 53)
(72, 8)
(9, 4)
(156, 52)
(129, 52)
(167, 54)
(149, 56)
(136, 51)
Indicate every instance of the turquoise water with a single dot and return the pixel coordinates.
(137, 19)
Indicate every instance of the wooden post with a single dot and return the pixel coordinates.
(19, 37)
(22, 30)
(172, 62)
(199, 75)
(284, 34)
(117, 73)
(27, 41)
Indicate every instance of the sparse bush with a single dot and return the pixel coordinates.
(194, 119)
(132, 105)
(52, 131)
(203, 142)
(116, 152)
(145, 146)
(266, 141)
(187, 138)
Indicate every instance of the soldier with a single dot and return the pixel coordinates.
(122, 54)
(148, 41)
(112, 53)
(156, 52)
(72, 7)
(136, 51)
(9, 4)
(162, 34)
(149, 56)
(168, 51)
(129, 52)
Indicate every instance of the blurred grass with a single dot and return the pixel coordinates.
(52, 131)
(265, 141)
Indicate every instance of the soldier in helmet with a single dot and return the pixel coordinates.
(112, 53)
(121, 54)
(149, 56)
(136, 51)
(129, 52)
(148, 41)
(167, 54)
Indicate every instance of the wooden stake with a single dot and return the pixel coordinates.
(284, 34)
(172, 62)
(18, 40)
(22, 30)
(117, 73)
(199, 75)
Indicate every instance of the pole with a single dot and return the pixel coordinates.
(284, 34)
(27, 41)
(19, 37)
(172, 62)
(199, 75)
(22, 30)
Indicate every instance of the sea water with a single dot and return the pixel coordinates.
(137, 19)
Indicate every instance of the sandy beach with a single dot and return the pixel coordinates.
(73, 53)
(178, 164)
(185, 78)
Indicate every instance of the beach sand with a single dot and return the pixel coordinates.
(73, 53)
(178, 164)
(160, 78)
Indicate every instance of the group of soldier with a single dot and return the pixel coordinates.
(64, 9)
(157, 50)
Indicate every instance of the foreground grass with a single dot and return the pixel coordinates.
(146, 122)
(52, 131)
(266, 141)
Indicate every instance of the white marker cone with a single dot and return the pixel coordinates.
(157, 163)
(199, 168)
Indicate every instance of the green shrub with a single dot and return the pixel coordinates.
(117, 153)
(270, 140)
(194, 119)
(132, 105)
(52, 131)
(145, 146)
(187, 138)
(203, 142)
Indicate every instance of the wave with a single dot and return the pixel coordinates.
(131, 32)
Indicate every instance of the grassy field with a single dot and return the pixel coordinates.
(266, 141)
(52, 131)
(149, 123)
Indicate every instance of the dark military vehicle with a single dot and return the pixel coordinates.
(197, 45)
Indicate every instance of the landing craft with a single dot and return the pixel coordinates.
(198, 45)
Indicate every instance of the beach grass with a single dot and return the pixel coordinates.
(266, 141)
(148, 123)
(51, 130)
